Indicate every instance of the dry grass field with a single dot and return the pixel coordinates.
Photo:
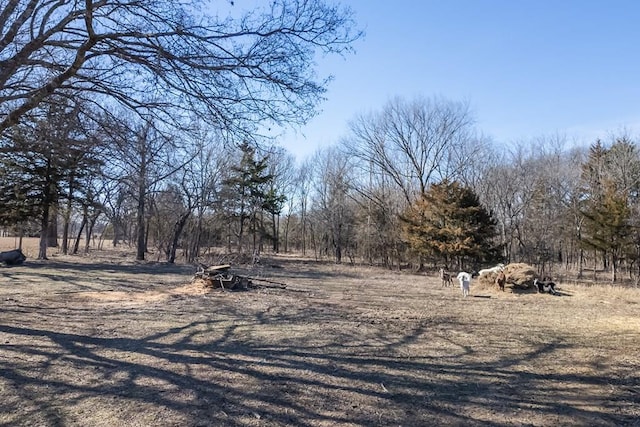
(102, 340)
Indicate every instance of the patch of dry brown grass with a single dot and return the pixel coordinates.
(30, 245)
(108, 341)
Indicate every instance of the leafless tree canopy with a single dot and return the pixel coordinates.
(413, 142)
(175, 54)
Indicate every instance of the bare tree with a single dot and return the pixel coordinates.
(413, 142)
(532, 190)
(201, 182)
(281, 166)
(299, 201)
(333, 205)
(166, 56)
(508, 189)
(379, 204)
(624, 166)
(92, 208)
(144, 156)
(399, 151)
(171, 208)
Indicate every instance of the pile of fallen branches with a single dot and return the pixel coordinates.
(221, 277)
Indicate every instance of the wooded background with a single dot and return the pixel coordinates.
(142, 125)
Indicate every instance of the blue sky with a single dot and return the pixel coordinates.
(527, 68)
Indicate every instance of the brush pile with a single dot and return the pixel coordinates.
(221, 277)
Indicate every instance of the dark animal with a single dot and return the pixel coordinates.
(501, 279)
(13, 257)
(445, 277)
(545, 287)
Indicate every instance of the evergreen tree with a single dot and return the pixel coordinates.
(608, 226)
(18, 193)
(448, 224)
(246, 194)
(610, 186)
(42, 162)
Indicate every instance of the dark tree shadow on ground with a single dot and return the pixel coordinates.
(211, 361)
(211, 372)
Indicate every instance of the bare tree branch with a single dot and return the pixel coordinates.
(234, 72)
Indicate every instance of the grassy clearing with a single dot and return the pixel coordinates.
(105, 341)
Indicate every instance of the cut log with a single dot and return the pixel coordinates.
(271, 282)
(218, 268)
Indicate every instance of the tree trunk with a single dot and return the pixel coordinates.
(177, 231)
(254, 232)
(141, 229)
(47, 201)
(304, 230)
(287, 225)
(118, 231)
(52, 228)
(67, 217)
(44, 232)
(65, 235)
(195, 244)
(20, 238)
(275, 225)
(90, 226)
(76, 245)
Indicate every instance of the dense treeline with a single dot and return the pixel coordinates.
(412, 184)
(391, 200)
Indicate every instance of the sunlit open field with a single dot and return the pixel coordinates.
(106, 341)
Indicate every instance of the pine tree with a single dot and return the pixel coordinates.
(41, 162)
(608, 225)
(610, 178)
(247, 193)
(448, 223)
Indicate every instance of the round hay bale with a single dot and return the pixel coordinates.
(520, 274)
(517, 274)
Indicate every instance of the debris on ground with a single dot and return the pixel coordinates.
(222, 277)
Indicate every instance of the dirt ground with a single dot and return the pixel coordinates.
(105, 341)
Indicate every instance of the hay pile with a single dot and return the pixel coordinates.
(518, 275)
(485, 282)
